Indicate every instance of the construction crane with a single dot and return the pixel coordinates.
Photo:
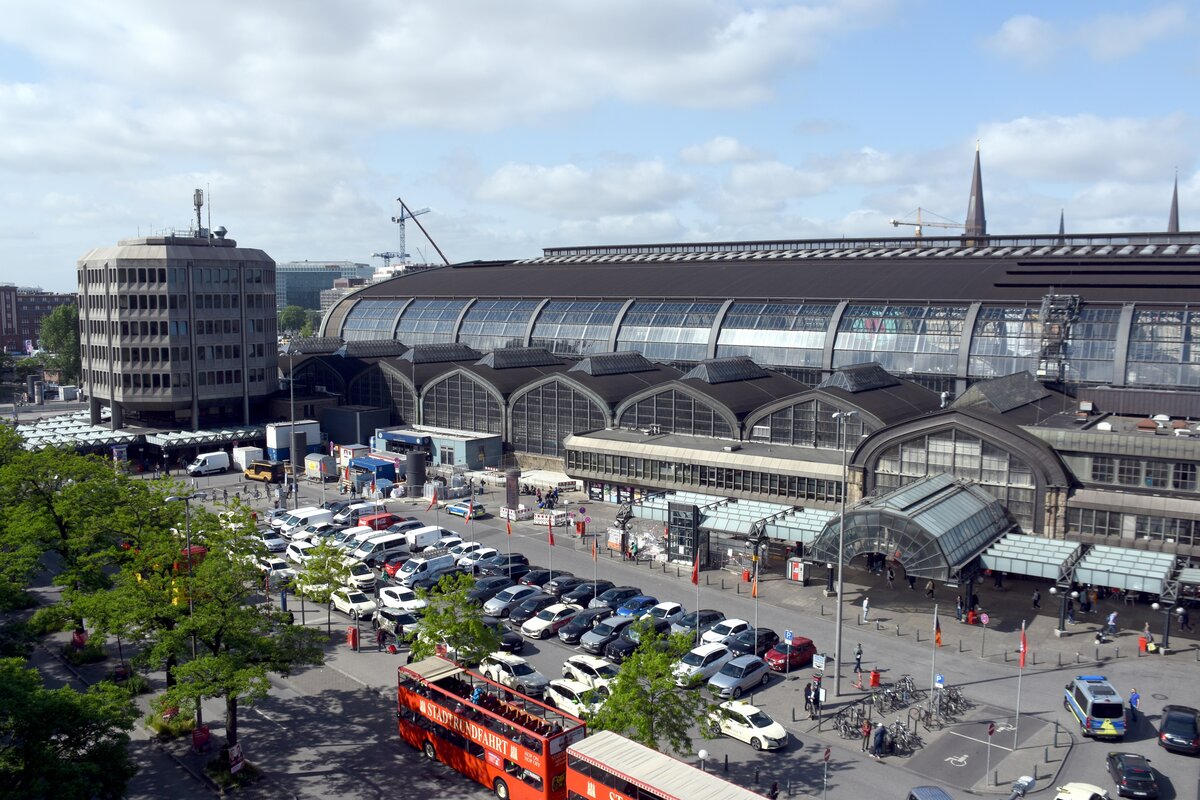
(918, 225)
(404, 216)
(387, 257)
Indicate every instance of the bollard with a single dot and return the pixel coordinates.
(676, 570)
(1078, 658)
(1046, 754)
(918, 634)
(878, 625)
(897, 630)
(822, 609)
(995, 777)
(707, 580)
(794, 714)
(727, 762)
(789, 787)
(1097, 653)
(1033, 657)
(739, 587)
(1006, 655)
(722, 584)
(858, 620)
(960, 645)
(1060, 659)
(1116, 652)
(1198, 654)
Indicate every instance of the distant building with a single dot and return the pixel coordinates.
(178, 330)
(9, 338)
(341, 288)
(299, 283)
(22, 310)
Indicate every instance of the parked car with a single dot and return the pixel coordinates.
(352, 603)
(460, 509)
(271, 541)
(401, 598)
(278, 571)
(740, 674)
(599, 637)
(398, 623)
(637, 606)
(629, 640)
(586, 592)
(573, 697)
(581, 623)
(540, 577)
(392, 563)
(697, 622)
(614, 597)
(755, 642)
(549, 620)
(487, 588)
(701, 663)
(593, 672)
(1133, 775)
(1179, 729)
(668, 610)
(447, 543)
(360, 576)
(507, 599)
(514, 565)
(529, 608)
(514, 672)
(785, 658)
(745, 722)
(462, 548)
(510, 641)
(725, 630)
(298, 551)
(1080, 791)
(469, 561)
(561, 584)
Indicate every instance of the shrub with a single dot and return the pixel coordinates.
(91, 653)
(179, 725)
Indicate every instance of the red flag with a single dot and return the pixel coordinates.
(1024, 645)
(470, 511)
(508, 524)
(937, 630)
(696, 570)
(550, 530)
(754, 586)
(594, 556)
(433, 500)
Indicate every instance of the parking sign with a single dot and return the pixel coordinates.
(787, 636)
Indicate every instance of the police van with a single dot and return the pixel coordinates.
(1097, 706)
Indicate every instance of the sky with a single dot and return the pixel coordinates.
(547, 123)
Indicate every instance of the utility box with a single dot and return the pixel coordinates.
(797, 570)
(242, 456)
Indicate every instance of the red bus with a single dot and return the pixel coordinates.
(607, 766)
(510, 743)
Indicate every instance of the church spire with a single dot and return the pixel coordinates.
(1173, 217)
(976, 221)
(1062, 220)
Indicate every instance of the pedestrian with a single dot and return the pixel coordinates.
(866, 608)
(858, 657)
(997, 580)
(1134, 700)
(773, 792)
(866, 735)
(891, 576)
(1070, 612)
(1037, 598)
(958, 608)
(929, 588)
(1111, 624)
(816, 702)
(1185, 622)
(808, 695)
(1146, 632)
(912, 582)
(877, 740)
(380, 638)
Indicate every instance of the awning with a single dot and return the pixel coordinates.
(1123, 568)
(1018, 554)
(176, 439)
(739, 517)
(416, 439)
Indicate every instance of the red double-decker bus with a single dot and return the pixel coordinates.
(607, 766)
(510, 743)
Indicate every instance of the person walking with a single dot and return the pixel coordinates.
(866, 735)
(958, 608)
(816, 702)
(1037, 598)
(1111, 624)
(866, 608)
(891, 576)
(858, 657)
(1070, 612)
(808, 695)
(929, 588)
(773, 792)
(380, 639)
(1135, 699)
(1185, 622)
(877, 741)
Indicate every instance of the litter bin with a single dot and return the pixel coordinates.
(797, 571)
(874, 679)
(971, 617)
(352, 637)
(1142, 642)
(745, 576)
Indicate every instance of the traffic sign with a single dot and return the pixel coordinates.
(983, 618)
(827, 753)
(787, 636)
(991, 729)
(939, 681)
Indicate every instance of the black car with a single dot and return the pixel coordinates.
(562, 583)
(586, 592)
(754, 642)
(337, 506)
(539, 576)
(619, 650)
(528, 608)
(510, 641)
(487, 588)
(1179, 729)
(697, 623)
(581, 623)
(514, 565)
(604, 633)
(615, 597)
(1133, 775)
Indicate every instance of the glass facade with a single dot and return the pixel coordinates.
(1143, 527)
(429, 321)
(1093, 345)
(668, 331)
(402, 401)
(544, 416)
(575, 327)
(1179, 476)
(676, 412)
(371, 319)
(808, 424)
(462, 404)
(1162, 349)
(778, 335)
(1005, 477)
(492, 324)
(903, 339)
(1005, 340)
(368, 389)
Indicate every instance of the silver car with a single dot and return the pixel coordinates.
(595, 640)
(507, 599)
(739, 675)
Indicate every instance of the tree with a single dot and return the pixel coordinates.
(452, 623)
(324, 570)
(60, 335)
(62, 743)
(645, 704)
(291, 319)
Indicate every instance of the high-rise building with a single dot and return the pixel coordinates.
(178, 330)
(299, 283)
(34, 305)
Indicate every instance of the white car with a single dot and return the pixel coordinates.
(746, 722)
(725, 630)
(1080, 791)
(668, 610)
(314, 533)
(462, 548)
(276, 569)
(353, 603)
(272, 541)
(401, 598)
(447, 542)
(701, 663)
(549, 620)
(299, 551)
(468, 561)
(575, 698)
(513, 672)
(592, 672)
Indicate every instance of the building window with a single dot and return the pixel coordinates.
(1129, 472)
(1156, 474)
(1184, 477)
(1094, 522)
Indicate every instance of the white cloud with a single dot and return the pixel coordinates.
(1025, 39)
(718, 150)
(572, 191)
(1112, 37)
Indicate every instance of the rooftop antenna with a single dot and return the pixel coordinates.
(208, 186)
(198, 202)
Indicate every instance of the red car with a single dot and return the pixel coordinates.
(783, 657)
(394, 563)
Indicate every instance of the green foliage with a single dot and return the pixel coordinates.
(60, 335)
(645, 705)
(450, 619)
(291, 319)
(91, 653)
(62, 743)
(322, 573)
(172, 727)
(16, 639)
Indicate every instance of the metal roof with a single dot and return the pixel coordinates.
(1019, 554)
(1123, 568)
(193, 438)
(790, 523)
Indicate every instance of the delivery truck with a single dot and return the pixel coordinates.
(243, 456)
(319, 467)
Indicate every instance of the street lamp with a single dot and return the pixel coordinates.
(842, 417)
(291, 379)
(187, 527)
(703, 756)
(1062, 608)
(1166, 610)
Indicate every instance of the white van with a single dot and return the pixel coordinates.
(209, 464)
(281, 524)
(426, 570)
(300, 519)
(422, 538)
(350, 514)
(357, 536)
(382, 546)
